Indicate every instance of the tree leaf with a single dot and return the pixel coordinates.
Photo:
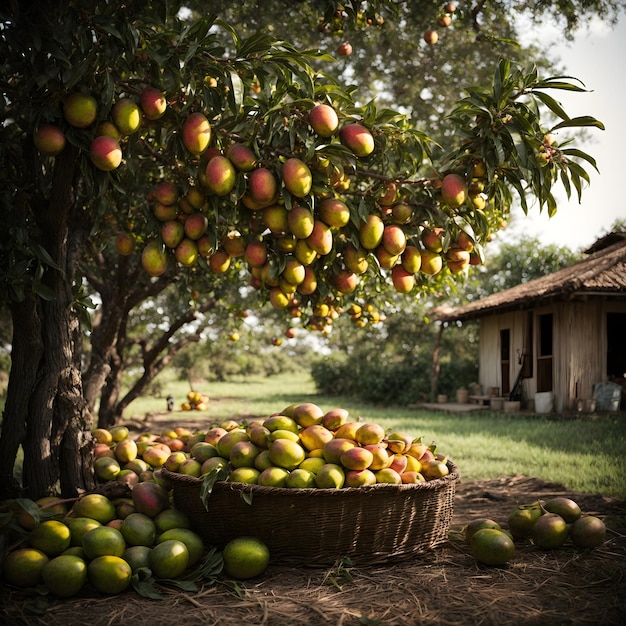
(183, 585)
(584, 120)
(581, 155)
(552, 205)
(43, 291)
(552, 104)
(257, 45)
(520, 146)
(555, 82)
(578, 170)
(236, 93)
(565, 181)
(230, 30)
(210, 566)
(143, 583)
(30, 507)
(191, 51)
(208, 482)
(44, 256)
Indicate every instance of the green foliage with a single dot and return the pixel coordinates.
(502, 128)
(395, 368)
(572, 14)
(329, 374)
(260, 95)
(487, 444)
(392, 363)
(619, 226)
(411, 75)
(400, 383)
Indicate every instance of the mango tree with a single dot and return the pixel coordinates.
(254, 169)
(411, 74)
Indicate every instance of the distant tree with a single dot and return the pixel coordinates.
(390, 59)
(516, 263)
(618, 226)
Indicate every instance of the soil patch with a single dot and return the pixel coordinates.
(444, 587)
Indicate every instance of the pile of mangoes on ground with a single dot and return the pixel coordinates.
(547, 525)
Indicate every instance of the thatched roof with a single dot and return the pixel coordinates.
(601, 274)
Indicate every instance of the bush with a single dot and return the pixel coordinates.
(391, 383)
(332, 375)
(400, 382)
(455, 375)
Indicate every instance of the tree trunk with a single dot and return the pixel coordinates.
(152, 367)
(153, 361)
(110, 393)
(26, 353)
(117, 285)
(122, 286)
(162, 353)
(104, 356)
(45, 410)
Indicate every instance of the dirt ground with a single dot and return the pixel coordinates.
(443, 587)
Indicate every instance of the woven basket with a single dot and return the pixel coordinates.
(315, 527)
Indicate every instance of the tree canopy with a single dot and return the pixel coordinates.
(218, 159)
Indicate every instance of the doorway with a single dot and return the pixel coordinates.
(544, 352)
(616, 347)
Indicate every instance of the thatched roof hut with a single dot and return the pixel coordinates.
(563, 334)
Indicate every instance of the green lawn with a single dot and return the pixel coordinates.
(586, 454)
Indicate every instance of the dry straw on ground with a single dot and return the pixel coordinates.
(445, 586)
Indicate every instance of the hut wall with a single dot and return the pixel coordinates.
(489, 366)
(579, 350)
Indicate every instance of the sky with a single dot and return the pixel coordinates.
(596, 58)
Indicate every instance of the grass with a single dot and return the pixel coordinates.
(586, 454)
